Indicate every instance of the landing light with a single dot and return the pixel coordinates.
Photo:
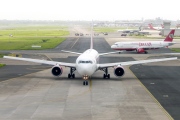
(85, 77)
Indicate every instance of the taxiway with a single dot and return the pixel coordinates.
(40, 95)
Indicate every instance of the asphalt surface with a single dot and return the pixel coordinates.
(12, 71)
(16, 70)
(83, 43)
(162, 82)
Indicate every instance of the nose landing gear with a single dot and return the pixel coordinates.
(85, 77)
(85, 82)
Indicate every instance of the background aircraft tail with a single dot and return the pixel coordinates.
(162, 25)
(169, 37)
(151, 27)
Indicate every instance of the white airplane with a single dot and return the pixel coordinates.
(142, 46)
(130, 30)
(88, 63)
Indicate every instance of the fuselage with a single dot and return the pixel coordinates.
(140, 44)
(87, 62)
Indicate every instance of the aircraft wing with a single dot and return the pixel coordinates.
(42, 61)
(134, 62)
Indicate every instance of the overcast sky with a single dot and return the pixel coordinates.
(89, 9)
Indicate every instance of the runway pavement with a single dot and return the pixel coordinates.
(42, 96)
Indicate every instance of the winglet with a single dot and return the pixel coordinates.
(169, 37)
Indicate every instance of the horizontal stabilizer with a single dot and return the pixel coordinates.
(109, 53)
(71, 52)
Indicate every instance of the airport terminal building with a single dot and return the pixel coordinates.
(167, 29)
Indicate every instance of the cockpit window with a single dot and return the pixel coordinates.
(85, 62)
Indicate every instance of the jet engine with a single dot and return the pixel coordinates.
(57, 70)
(119, 71)
(140, 50)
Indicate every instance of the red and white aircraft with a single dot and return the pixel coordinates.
(156, 28)
(88, 63)
(142, 46)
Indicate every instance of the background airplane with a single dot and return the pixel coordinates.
(88, 63)
(142, 46)
(156, 28)
(130, 30)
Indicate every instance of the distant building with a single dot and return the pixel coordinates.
(167, 29)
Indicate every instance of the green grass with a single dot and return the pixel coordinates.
(1, 55)
(22, 38)
(1, 65)
(175, 49)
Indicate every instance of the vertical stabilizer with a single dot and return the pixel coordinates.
(169, 37)
(91, 45)
(151, 27)
(162, 25)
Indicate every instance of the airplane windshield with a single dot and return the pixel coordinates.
(85, 61)
(116, 44)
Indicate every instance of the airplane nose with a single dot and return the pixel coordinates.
(84, 70)
(113, 46)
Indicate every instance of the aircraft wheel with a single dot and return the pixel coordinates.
(73, 75)
(108, 76)
(104, 76)
(145, 52)
(69, 76)
(86, 82)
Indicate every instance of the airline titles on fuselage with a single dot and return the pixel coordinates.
(145, 44)
(141, 43)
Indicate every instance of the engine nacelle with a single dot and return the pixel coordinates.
(57, 70)
(119, 71)
(140, 50)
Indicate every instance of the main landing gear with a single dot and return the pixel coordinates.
(71, 75)
(145, 52)
(106, 75)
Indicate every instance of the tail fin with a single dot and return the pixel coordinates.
(162, 25)
(169, 37)
(91, 45)
(151, 27)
